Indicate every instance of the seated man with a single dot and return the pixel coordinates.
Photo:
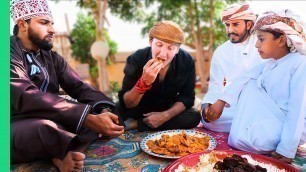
(229, 60)
(44, 125)
(158, 86)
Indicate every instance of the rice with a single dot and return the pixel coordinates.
(207, 163)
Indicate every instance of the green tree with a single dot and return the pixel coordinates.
(83, 35)
(200, 20)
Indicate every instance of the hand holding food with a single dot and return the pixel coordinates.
(151, 70)
(215, 110)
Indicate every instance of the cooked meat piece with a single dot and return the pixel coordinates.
(219, 166)
(260, 169)
(236, 163)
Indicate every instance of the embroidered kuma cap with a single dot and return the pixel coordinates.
(27, 9)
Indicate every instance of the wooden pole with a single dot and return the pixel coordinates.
(67, 23)
(100, 18)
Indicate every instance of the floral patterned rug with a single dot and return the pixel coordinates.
(124, 154)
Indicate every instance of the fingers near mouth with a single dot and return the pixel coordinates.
(159, 60)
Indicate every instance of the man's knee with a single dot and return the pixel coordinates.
(45, 131)
(40, 131)
(27, 139)
(193, 114)
(191, 117)
(30, 127)
(263, 136)
(46, 126)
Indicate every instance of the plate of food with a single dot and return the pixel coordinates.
(227, 161)
(174, 144)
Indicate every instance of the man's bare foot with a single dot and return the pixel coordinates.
(130, 124)
(74, 161)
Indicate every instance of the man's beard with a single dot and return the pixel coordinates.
(41, 43)
(240, 37)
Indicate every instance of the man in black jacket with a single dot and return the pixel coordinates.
(158, 86)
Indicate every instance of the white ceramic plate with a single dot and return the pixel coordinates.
(155, 136)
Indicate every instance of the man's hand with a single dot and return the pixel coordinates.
(204, 113)
(155, 119)
(150, 71)
(214, 111)
(280, 157)
(105, 123)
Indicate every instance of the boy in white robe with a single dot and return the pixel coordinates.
(271, 107)
(229, 60)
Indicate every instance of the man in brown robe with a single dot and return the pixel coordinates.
(44, 125)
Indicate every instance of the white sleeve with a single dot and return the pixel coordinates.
(215, 87)
(294, 123)
(232, 91)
